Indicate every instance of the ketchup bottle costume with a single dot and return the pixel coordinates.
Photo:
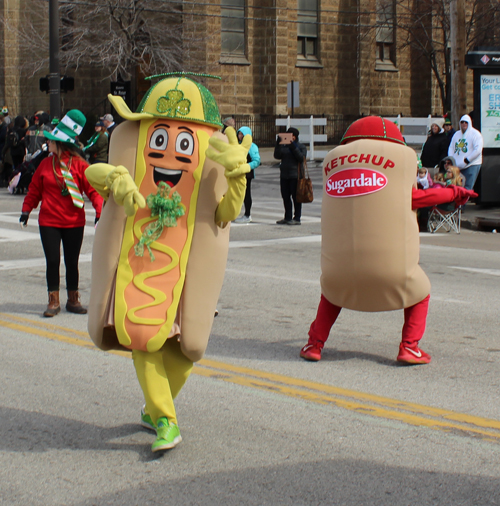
(370, 238)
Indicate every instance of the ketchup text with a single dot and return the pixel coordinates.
(376, 160)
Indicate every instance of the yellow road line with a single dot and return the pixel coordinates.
(360, 402)
(44, 325)
(366, 409)
(353, 394)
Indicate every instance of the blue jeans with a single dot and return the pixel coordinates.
(470, 174)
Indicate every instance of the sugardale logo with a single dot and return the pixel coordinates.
(355, 182)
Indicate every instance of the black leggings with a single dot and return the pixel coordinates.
(248, 195)
(72, 239)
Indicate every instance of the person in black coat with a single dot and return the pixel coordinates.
(14, 148)
(3, 135)
(448, 130)
(291, 155)
(435, 147)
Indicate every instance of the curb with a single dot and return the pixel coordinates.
(480, 224)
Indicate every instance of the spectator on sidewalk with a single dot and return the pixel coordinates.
(253, 159)
(448, 130)
(34, 138)
(228, 122)
(6, 118)
(467, 148)
(3, 135)
(14, 149)
(109, 123)
(444, 163)
(291, 155)
(97, 146)
(435, 147)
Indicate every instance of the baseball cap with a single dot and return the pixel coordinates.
(107, 117)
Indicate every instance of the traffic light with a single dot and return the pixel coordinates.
(67, 84)
(44, 84)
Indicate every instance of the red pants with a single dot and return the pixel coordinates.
(413, 328)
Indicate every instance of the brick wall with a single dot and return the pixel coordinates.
(345, 82)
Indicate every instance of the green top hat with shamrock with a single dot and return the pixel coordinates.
(69, 128)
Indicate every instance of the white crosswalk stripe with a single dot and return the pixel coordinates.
(29, 233)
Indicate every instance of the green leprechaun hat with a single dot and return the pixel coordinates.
(69, 128)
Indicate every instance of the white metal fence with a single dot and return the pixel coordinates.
(415, 130)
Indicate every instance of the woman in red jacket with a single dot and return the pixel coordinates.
(58, 184)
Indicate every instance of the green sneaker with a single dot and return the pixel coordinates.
(146, 421)
(168, 435)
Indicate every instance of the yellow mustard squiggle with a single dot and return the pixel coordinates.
(139, 280)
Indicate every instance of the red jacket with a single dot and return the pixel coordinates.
(58, 210)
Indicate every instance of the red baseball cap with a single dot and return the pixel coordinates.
(373, 127)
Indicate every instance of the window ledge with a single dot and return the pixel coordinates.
(312, 64)
(385, 66)
(233, 60)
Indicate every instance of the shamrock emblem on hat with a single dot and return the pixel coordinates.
(173, 103)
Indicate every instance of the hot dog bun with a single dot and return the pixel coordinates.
(108, 243)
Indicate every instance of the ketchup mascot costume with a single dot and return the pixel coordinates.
(370, 237)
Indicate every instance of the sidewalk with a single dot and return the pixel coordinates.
(482, 218)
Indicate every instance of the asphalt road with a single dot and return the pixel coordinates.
(260, 426)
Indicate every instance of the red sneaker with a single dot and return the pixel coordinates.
(412, 354)
(312, 351)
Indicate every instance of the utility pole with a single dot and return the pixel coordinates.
(458, 71)
(54, 73)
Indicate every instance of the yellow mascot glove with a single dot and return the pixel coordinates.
(125, 191)
(106, 178)
(232, 156)
(230, 205)
(96, 175)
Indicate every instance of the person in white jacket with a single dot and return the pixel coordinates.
(466, 147)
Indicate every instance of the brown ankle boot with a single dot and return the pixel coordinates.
(73, 305)
(54, 307)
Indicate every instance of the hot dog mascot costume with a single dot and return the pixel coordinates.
(161, 245)
(370, 237)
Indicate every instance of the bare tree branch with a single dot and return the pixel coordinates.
(120, 36)
(424, 25)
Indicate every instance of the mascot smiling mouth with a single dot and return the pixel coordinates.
(169, 176)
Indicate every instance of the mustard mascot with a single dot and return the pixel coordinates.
(172, 186)
(370, 238)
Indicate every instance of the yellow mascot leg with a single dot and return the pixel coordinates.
(161, 375)
(177, 365)
(154, 383)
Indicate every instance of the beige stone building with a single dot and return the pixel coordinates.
(348, 57)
